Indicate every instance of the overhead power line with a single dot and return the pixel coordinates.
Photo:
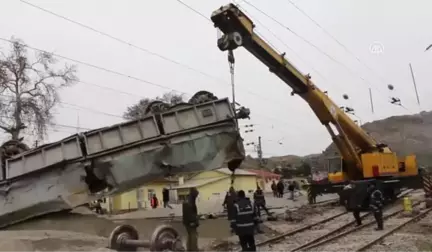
(284, 43)
(307, 41)
(119, 39)
(52, 124)
(144, 49)
(354, 74)
(120, 74)
(95, 66)
(115, 71)
(337, 41)
(78, 106)
(192, 9)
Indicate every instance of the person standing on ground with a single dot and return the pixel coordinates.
(99, 209)
(165, 198)
(244, 222)
(154, 202)
(229, 201)
(376, 204)
(354, 205)
(260, 202)
(291, 190)
(191, 219)
(280, 188)
(274, 189)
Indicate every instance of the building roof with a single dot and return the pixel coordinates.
(237, 172)
(197, 182)
(265, 174)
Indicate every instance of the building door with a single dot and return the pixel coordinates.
(117, 203)
(140, 198)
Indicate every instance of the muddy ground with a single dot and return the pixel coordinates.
(81, 230)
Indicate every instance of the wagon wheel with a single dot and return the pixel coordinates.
(13, 147)
(202, 96)
(156, 107)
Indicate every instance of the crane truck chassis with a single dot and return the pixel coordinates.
(189, 137)
(361, 157)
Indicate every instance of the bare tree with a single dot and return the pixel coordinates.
(138, 110)
(29, 90)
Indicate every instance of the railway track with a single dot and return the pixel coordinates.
(333, 228)
(363, 237)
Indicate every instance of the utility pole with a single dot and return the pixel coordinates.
(261, 162)
(78, 123)
(259, 152)
(415, 85)
(371, 100)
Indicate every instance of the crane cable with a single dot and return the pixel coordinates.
(231, 63)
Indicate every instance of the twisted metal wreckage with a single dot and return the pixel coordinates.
(195, 136)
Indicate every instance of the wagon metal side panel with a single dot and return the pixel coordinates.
(196, 116)
(44, 156)
(119, 135)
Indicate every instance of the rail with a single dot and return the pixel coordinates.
(338, 234)
(334, 234)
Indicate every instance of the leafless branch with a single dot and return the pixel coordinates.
(137, 111)
(32, 84)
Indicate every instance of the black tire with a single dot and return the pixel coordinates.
(202, 97)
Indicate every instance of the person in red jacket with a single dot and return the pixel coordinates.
(154, 202)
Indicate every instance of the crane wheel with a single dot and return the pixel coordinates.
(13, 147)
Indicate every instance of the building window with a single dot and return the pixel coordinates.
(182, 198)
(216, 194)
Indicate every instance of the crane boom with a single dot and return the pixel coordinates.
(350, 138)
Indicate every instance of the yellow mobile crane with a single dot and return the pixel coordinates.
(361, 157)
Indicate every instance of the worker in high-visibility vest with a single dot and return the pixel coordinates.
(376, 204)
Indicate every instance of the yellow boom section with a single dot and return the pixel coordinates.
(350, 138)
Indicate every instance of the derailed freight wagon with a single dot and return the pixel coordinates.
(196, 136)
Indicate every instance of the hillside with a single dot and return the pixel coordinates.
(406, 134)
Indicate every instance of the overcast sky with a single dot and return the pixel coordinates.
(395, 30)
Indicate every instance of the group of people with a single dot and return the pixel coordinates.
(244, 216)
(154, 201)
(278, 189)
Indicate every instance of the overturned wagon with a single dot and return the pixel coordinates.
(197, 136)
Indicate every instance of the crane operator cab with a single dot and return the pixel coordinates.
(335, 170)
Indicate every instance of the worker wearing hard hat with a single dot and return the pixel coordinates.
(376, 204)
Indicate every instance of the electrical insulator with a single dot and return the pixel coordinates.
(396, 101)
